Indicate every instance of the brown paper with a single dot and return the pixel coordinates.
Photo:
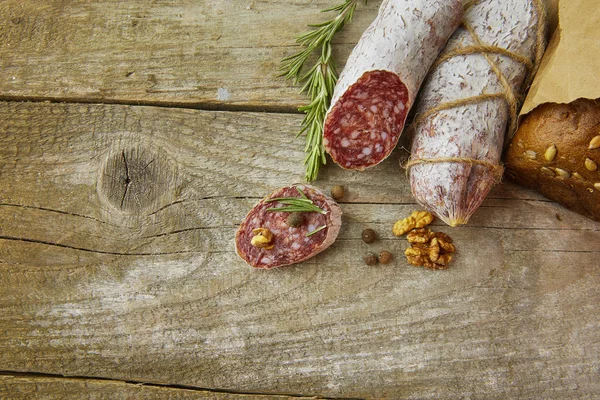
(551, 15)
(570, 68)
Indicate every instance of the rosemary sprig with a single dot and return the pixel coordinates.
(296, 204)
(318, 83)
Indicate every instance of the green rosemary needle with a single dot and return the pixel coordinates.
(319, 229)
(318, 82)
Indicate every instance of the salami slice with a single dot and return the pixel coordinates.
(466, 103)
(383, 73)
(288, 244)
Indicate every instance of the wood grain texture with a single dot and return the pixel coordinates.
(178, 52)
(150, 289)
(49, 388)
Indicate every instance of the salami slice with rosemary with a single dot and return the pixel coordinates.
(383, 73)
(288, 226)
(467, 102)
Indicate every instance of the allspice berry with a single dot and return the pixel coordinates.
(295, 219)
(385, 257)
(369, 236)
(337, 192)
(370, 259)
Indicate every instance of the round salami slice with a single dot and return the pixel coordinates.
(267, 239)
(381, 78)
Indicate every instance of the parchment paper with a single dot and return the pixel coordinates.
(570, 68)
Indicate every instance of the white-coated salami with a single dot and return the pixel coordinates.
(466, 103)
(383, 73)
(287, 243)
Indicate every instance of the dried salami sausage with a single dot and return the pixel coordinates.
(288, 244)
(466, 103)
(382, 76)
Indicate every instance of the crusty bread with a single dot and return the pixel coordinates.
(556, 151)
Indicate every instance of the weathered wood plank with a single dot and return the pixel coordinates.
(137, 280)
(201, 53)
(195, 53)
(48, 388)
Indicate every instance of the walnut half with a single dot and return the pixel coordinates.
(429, 249)
(418, 219)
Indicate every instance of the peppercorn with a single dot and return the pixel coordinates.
(370, 259)
(385, 257)
(337, 192)
(295, 219)
(369, 236)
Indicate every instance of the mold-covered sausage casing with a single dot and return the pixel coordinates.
(381, 78)
(291, 245)
(454, 190)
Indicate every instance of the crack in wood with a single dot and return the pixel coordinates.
(115, 253)
(165, 206)
(127, 179)
(28, 374)
(55, 211)
(200, 106)
(146, 166)
(198, 228)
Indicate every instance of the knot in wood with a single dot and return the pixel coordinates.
(134, 179)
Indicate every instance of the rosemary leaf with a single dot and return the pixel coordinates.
(286, 200)
(319, 229)
(302, 193)
(318, 83)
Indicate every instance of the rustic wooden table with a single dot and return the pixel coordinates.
(135, 136)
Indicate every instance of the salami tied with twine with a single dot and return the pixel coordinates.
(468, 102)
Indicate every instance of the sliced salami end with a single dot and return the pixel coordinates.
(365, 124)
(287, 244)
(382, 75)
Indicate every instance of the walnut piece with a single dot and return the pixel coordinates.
(416, 256)
(445, 242)
(418, 219)
(429, 249)
(420, 235)
(262, 238)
